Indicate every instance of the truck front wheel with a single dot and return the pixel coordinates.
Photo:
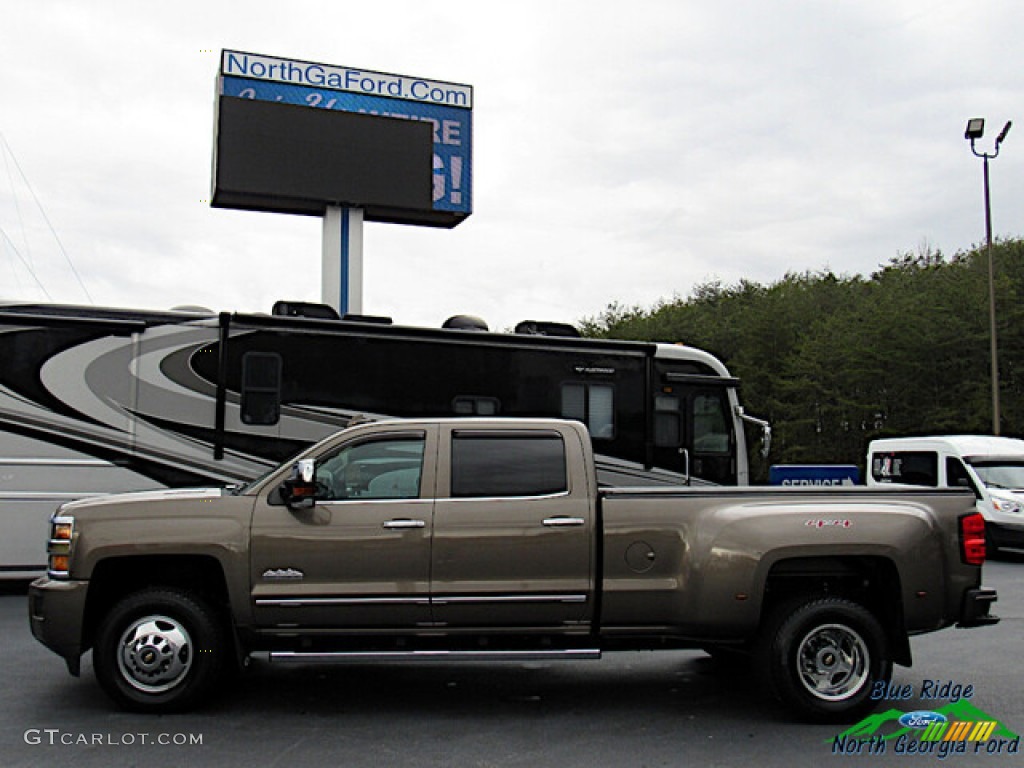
(824, 658)
(159, 650)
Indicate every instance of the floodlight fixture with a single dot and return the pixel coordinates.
(1002, 133)
(975, 128)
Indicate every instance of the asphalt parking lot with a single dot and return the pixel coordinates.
(631, 709)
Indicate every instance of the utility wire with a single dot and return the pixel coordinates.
(17, 206)
(46, 218)
(27, 265)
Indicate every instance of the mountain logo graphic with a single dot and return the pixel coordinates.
(958, 721)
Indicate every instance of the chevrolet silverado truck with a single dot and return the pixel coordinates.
(489, 539)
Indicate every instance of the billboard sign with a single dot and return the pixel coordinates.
(446, 107)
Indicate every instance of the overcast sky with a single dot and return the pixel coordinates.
(623, 151)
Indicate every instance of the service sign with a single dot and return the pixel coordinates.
(446, 106)
(814, 474)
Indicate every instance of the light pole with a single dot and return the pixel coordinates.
(975, 130)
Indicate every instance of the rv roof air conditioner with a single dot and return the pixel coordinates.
(304, 309)
(546, 328)
(375, 319)
(465, 323)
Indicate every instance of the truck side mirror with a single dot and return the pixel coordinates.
(299, 490)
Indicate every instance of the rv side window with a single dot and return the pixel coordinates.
(593, 404)
(710, 425)
(668, 422)
(499, 465)
(261, 388)
(466, 405)
(910, 467)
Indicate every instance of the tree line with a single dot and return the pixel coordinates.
(834, 361)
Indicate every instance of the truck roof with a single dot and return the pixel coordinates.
(504, 423)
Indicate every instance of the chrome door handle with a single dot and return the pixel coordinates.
(562, 522)
(393, 524)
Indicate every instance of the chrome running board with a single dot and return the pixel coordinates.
(567, 654)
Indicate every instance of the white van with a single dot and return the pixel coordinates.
(993, 467)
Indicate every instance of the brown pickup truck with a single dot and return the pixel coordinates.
(489, 539)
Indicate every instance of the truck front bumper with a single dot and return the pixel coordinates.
(1009, 536)
(974, 611)
(56, 609)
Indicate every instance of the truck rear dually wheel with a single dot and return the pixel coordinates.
(824, 658)
(159, 650)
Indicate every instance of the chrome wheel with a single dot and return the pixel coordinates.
(161, 649)
(155, 654)
(833, 662)
(823, 657)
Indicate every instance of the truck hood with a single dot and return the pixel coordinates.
(1017, 494)
(141, 497)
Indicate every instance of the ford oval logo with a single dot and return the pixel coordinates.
(921, 719)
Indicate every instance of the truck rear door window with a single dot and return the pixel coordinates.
(910, 467)
(485, 465)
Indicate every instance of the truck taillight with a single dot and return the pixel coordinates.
(972, 539)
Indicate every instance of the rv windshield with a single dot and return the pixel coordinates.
(1002, 473)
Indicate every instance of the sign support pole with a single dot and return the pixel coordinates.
(341, 265)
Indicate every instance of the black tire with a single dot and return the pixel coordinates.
(823, 658)
(160, 650)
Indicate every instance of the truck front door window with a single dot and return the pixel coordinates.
(957, 475)
(378, 469)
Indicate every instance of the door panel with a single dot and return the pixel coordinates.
(502, 558)
(360, 558)
(693, 434)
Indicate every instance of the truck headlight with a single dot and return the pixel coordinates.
(58, 550)
(1007, 506)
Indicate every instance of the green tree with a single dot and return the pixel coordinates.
(835, 360)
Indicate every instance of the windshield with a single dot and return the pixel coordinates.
(1001, 474)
